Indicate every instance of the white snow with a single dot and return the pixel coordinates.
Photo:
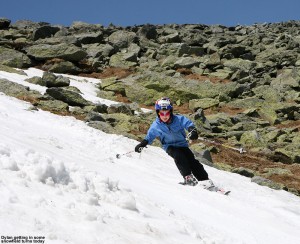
(60, 180)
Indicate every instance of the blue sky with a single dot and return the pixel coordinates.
(137, 12)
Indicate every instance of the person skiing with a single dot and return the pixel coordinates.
(171, 131)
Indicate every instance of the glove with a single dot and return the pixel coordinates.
(139, 147)
(193, 134)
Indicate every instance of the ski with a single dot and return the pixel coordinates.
(218, 190)
(211, 188)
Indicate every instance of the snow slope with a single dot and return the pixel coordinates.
(61, 180)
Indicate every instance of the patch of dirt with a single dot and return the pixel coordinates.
(258, 163)
(223, 109)
(30, 99)
(119, 73)
(182, 109)
(289, 124)
(203, 78)
(122, 99)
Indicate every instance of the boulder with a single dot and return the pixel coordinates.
(287, 78)
(148, 31)
(36, 80)
(252, 139)
(69, 97)
(13, 58)
(44, 32)
(244, 172)
(52, 80)
(203, 103)
(266, 182)
(122, 39)
(4, 23)
(16, 90)
(120, 108)
(64, 51)
(53, 105)
(64, 67)
(186, 62)
(239, 64)
(88, 38)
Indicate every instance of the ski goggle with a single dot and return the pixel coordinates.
(164, 113)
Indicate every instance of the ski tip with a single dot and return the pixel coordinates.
(226, 193)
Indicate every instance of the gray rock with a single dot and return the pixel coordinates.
(148, 31)
(16, 90)
(186, 62)
(4, 23)
(94, 116)
(103, 126)
(63, 51)
(265, 182)
(64, 67)
(13, 58)
(122, 39)
(69, 97)
(239, 64)
(52, 80)
(53, 105)
(287, 78)
(36, 80)
(244, 172)
(120, 108)
(88, 38)
(203, 103)
(44, 32)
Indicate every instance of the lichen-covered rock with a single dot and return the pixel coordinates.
(13, 58)
(203, 103)
(69, 97)
(252, 139)
(266, 182)
(64, 51)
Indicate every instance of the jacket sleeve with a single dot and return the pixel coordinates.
(186, 123)
(151, 134)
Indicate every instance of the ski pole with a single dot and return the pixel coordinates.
(123, 154)
(189, 134)
(240, 150)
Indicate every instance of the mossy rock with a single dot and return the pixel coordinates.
(203, 103)
(252, 139)
(244, 172)
(276, 171)
(55, 106)
(11, 70)
(266, 182)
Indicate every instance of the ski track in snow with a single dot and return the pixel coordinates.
(61, 179)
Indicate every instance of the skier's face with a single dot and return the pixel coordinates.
(164, 115)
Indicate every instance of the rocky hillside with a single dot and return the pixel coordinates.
(240, 84)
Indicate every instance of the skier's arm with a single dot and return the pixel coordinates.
(151, 134)
(190, 127)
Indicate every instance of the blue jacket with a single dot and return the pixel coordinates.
(172, 134)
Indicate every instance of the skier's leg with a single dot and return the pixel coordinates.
(196, 167)
(180, 159)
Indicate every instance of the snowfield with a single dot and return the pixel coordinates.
(60, 180)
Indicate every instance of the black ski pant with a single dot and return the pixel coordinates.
(186, 162)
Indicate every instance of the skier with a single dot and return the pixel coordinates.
(170, 129)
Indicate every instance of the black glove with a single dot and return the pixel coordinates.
(140, 146)
(193, 134)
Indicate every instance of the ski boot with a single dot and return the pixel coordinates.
(190, 180)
